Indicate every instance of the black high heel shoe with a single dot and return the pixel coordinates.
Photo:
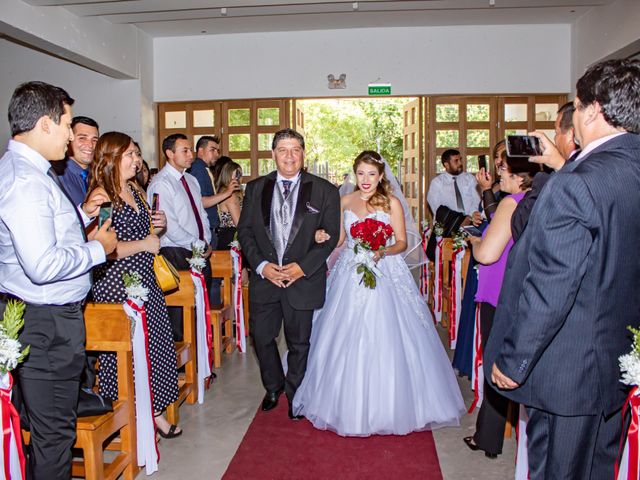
(471, 444)
(172, 430)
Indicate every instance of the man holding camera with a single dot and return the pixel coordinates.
(570, 287)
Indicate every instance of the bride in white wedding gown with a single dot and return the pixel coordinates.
(376, 364)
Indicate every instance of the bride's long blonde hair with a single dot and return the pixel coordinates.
(382, 196)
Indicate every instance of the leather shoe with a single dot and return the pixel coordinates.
(270, 400)
(471, 444)
(292, 416)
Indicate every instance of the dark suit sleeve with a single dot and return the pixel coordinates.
(520, 216)
(246, 235)
(206, 188)
(330, 222)
(562, 233)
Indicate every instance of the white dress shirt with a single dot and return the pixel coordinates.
(44, 258)
(442, 192)
(294, 192)
(182, 228)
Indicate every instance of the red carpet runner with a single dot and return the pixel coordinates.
(275, 447)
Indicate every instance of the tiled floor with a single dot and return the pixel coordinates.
(213, 431)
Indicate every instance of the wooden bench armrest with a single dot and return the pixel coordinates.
(108, 327)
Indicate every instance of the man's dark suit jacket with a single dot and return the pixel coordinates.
(318, 206)
(199, 170)
(571, 287)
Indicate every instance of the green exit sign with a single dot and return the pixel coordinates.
(378, 90)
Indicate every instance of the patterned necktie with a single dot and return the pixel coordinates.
(458, 195)
(52, 173)
(286, 188)
(183, 180)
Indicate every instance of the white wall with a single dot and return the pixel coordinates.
(603, 31)
(417, 60)
(89, 41)
(124, 105)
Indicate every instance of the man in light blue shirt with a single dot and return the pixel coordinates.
(45, 260)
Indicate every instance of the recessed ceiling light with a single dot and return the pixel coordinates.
(203, 31)
(572, 11)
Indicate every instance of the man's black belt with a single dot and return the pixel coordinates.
(5, 297)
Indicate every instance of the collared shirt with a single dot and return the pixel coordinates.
(279, 179)
(43, 256)
(182, 228)
(74, 179)
(595, 144)
(201, 172)
(442, 192)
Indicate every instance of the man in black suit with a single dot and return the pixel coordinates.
(280, 215)
(570, 288)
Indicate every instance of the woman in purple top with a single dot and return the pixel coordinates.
(491, 251)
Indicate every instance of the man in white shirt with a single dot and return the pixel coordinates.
(187, 221)
(45, 261)
(454, 188)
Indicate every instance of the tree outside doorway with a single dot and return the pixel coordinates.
(337, 130)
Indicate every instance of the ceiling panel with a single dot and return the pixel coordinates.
(162, 18)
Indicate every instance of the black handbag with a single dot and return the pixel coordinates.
(91, 403)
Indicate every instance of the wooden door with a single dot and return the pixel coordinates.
(194, 119)
(411, 171)
(248, 127)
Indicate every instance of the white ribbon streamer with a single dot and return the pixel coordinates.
(522, 458)
(241, 340)
(145, 426)
(437, 282)
(202, 341)
(456, 294)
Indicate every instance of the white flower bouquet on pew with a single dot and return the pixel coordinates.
(11, 456)
(12, 322)
(629, 467)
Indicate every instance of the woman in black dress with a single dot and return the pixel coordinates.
(116, 162)
(229, 209)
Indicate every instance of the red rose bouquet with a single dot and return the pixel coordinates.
(370, 235)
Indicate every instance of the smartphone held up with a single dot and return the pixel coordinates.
(155, 203)
(105, 213)
(523, 146)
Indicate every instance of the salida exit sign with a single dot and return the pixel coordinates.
(379, 89)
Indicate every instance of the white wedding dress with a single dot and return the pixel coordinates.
(376, 364)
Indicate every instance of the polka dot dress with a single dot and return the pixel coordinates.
(108, 287)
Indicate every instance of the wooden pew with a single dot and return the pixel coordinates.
(184, 297)
(222, 317)
(109, 329)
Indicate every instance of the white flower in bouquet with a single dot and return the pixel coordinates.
(12, 322)
(10, 354)
(235, 244)
(198, 247)
(630, 362)
(438, 229)
(425, 224)
(133, 286)
(197, 261)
